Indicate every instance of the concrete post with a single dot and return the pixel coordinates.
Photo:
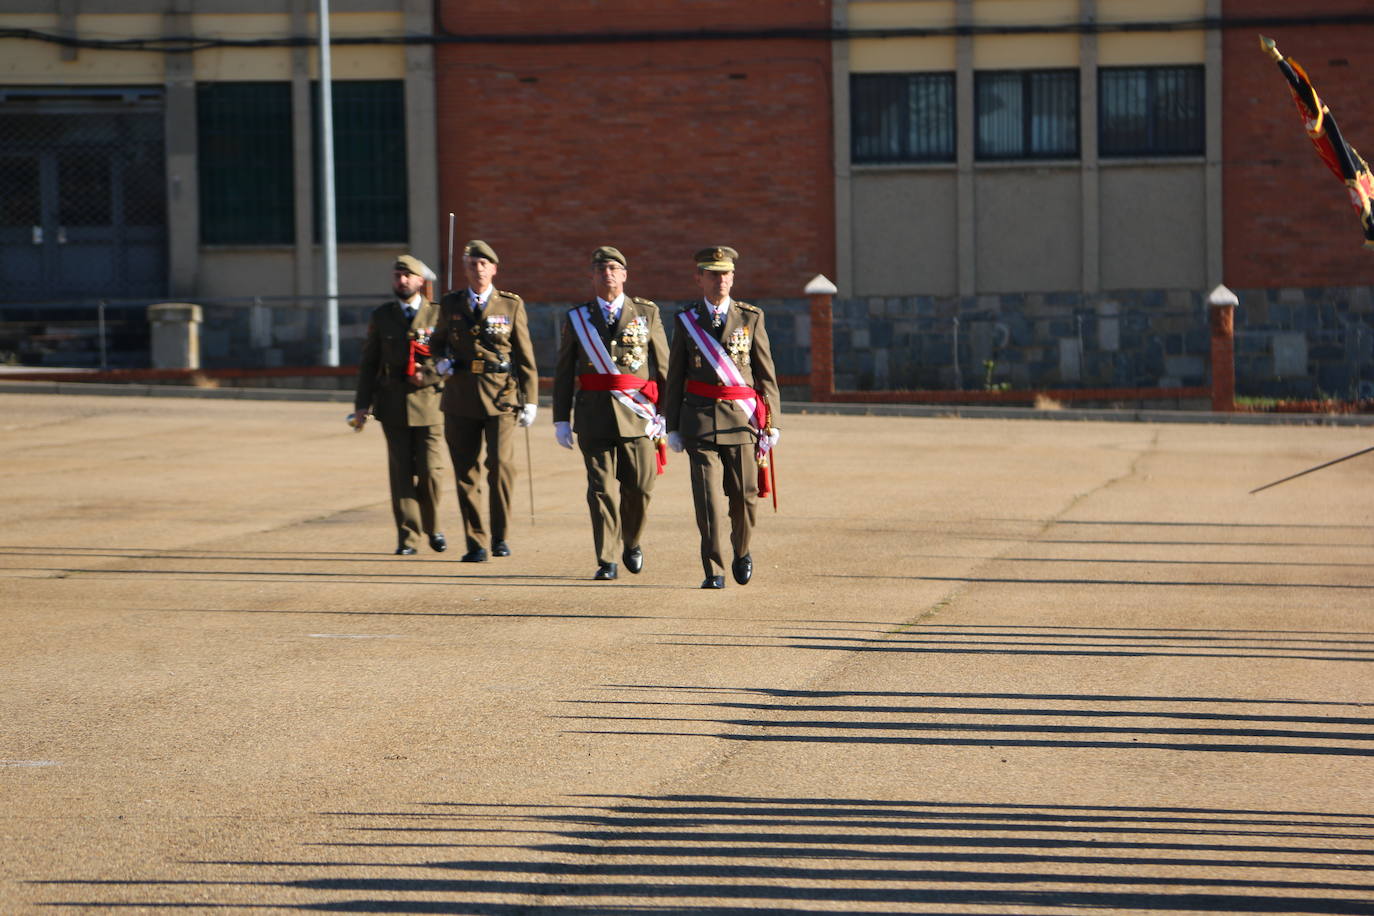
(1221, 306)
(822, 293)
(176, 335)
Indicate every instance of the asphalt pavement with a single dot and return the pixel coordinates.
(985, 666)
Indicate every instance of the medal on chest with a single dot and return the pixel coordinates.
(631, 343)
(738, 346)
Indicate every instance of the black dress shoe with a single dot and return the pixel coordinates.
(743, 568)
(713, 582)
(634, 559)
(606, 572)
(500, 549)
(404, 551)
(437, 543)
(475, 555)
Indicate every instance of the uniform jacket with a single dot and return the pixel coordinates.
(382, 381)
(502, 338)
(637, 346)
(723, 422)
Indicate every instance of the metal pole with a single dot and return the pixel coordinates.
(328, 229)
(100, 319)
(958, 376)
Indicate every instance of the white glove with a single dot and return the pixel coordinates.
(562, 433)
(774, 434)
(527, 413)
(675, 441)
(444, 367)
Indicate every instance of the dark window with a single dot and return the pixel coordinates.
(1150, 111)
(901, 117)
(369, 161)
(1026, 114)
(246, 188)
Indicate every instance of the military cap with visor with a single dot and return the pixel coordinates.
(411, 264)
(606, 254)
(719, 259)
(480, 249)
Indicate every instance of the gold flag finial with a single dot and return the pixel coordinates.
(1270, 47)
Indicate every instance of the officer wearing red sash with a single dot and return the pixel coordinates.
(721, 405)
(612, 362)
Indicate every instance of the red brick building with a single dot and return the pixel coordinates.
(605, 123)
(1287, 223)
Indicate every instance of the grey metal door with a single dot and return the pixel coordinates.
(82, 203)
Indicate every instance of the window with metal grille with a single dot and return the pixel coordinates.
(369, 161)
(244, 153)
(1151, 111)
(1026, 114)
(901, 117)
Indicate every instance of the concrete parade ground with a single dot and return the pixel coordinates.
(985, 666)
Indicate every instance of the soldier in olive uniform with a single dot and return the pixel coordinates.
(721, 405)
(483, 338)
(397, 382)
(612, 360)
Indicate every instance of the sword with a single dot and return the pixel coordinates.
(529, 473)
(448, 284)
(1310, 470)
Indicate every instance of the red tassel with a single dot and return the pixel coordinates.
(764, 489)
(661, 455)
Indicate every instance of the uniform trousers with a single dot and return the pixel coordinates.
(620, 481)
(725, 485)
(415, 465)
(466, 437)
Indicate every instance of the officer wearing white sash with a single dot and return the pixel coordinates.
(612, 361)
(721, 405)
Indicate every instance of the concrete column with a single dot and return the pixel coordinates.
(175, 335)
(1212, 176)
(844, 195)
(821, 292)
(422, 154)
(1221, 304)
(180, 148)
(964, 105)
(1087, 144)
(307, 280)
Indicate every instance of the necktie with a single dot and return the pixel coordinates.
(410, 313)
(477, 310)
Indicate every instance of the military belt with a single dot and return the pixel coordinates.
(486, 367)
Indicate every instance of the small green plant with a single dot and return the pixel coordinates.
(989, 369)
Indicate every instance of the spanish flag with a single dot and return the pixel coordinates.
(1339, 156)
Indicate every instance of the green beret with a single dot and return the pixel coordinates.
(480, 249)
(718, 258)
(607, 253)
(411, 264)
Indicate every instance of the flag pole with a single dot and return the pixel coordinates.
(328, 230)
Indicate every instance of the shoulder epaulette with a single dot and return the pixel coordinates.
(744, 306)
(637, 300)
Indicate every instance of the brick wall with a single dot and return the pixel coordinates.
(1287, 218)
(657, 147)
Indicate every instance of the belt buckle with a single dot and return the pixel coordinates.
(478, 366)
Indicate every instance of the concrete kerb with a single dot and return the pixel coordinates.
(1124, 415)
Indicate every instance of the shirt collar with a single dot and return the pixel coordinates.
(718, 309)
(482, 299)
(614, 305)
(414, 302)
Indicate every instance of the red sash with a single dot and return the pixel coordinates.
(736, 393)
(416, 349)
(600, 381)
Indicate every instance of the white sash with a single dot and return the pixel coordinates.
(600, 357)
(728, 374)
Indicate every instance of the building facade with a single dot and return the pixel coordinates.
(1033, 193)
